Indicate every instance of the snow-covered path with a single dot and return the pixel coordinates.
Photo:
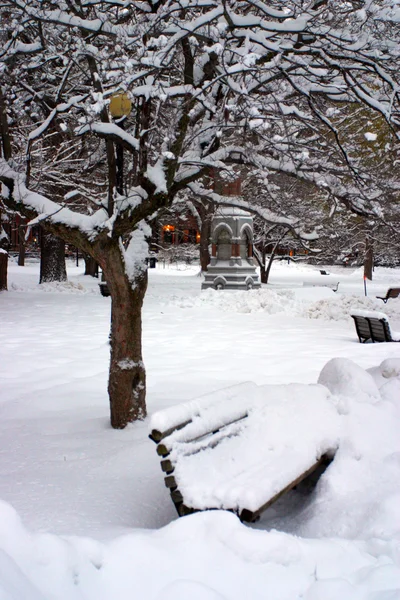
(66, 472)
(58, 452)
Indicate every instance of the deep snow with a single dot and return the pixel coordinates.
(97, 519)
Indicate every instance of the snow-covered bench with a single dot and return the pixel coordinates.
(241, 448)
(333, 286)
(373, 326)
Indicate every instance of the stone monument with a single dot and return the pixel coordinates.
(232, 264)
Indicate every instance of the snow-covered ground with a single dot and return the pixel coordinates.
(85, 514)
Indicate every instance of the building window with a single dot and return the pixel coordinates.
(168, 234)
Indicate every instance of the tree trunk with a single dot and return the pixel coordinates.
(127, 377)
(206, 213)
(5, 145)
(3, 269)
(271, 258)
(91, 266)
(263, 274)
(205, 234)
(368, 258)
(52, 258)
(21, 243)
(5, 151)
(260, 259)
(268, 269)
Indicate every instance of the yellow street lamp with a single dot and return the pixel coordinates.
(120, 106)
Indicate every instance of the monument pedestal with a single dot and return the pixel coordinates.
(232, 264)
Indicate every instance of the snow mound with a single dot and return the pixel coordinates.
(387, 378)
(185, 589)
(341, 307)
(336, 307)
(359, 494)
(251, 301)
(56, 287)
(207, 556)
(343, 377)
(354, 512)
(390, 368)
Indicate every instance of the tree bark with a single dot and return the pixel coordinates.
(127, 377)
(368, 258)
(3, 269)
(5, 146)
(206, 212)
(259, 256)
(263, 274)
(5, 151)
(52, 258)
(205, 234)
(22, 246)
(267, 271)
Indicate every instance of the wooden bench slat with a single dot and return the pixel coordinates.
(247, 516)
(176, 496)
(362, 328)
(170, 482)
(378, 331)
(157, 436)
(184, 511)
(202, 435)
(162, 450)
(166, 466)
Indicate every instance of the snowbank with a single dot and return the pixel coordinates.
(261, 300)
(55, 287)
(341, 307)
(212, 556)
(319, 303)
(207, 556)
(66, 472)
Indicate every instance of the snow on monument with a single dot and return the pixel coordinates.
(232, 264)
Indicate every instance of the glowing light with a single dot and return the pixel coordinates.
(120, 105)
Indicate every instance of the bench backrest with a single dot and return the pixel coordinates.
(362, 328)
(393, 293)
(376, 329)
(380, 330)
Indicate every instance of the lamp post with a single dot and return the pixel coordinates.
(120, 106)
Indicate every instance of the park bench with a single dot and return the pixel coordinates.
(333, 286)
(373, 326)
(391, 293)
(243, 447)
(104, 291)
